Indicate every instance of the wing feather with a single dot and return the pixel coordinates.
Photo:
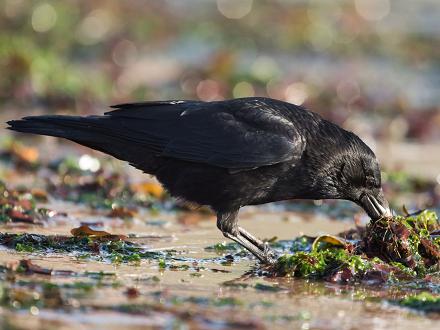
(236, 134)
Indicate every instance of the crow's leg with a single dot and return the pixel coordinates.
(251, 238)
(227, 223)
(248, 246)
(263, 246)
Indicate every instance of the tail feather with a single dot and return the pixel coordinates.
(67, 127)
(96, 132)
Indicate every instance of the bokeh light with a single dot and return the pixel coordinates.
(89, 163)
(209, 90)
(234, 9)
(243, 89)
(264, 68)
(44, 17)
(124, 53)
(94, 27)
(373, 10)
(320, 36)
(296, 93)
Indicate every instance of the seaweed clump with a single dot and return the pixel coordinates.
(102, 248)
(333, 264)
(395, 248)
(413, 241)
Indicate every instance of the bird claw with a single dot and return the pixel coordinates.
(269, 255)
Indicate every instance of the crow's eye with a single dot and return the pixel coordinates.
(357, 180)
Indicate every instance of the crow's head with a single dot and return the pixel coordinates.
(352, 172)
(359, 180)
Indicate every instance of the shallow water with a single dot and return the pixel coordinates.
(211, 293)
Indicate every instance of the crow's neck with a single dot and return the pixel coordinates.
(315, 175)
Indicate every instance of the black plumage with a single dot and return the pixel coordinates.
(228, 154)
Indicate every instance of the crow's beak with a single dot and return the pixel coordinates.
(376, 206)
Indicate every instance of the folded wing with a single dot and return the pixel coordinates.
(234, 135)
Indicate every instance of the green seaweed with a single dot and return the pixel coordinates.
(301, 243)
(318, 264)
(226, 301)
(390, 249)
(116, 251)
(223, 247)
(162, 264)
(423, 302)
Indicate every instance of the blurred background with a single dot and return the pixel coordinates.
(372, 66)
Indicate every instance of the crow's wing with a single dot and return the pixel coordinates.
(236, 134)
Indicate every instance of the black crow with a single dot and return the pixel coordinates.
(228, 154)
